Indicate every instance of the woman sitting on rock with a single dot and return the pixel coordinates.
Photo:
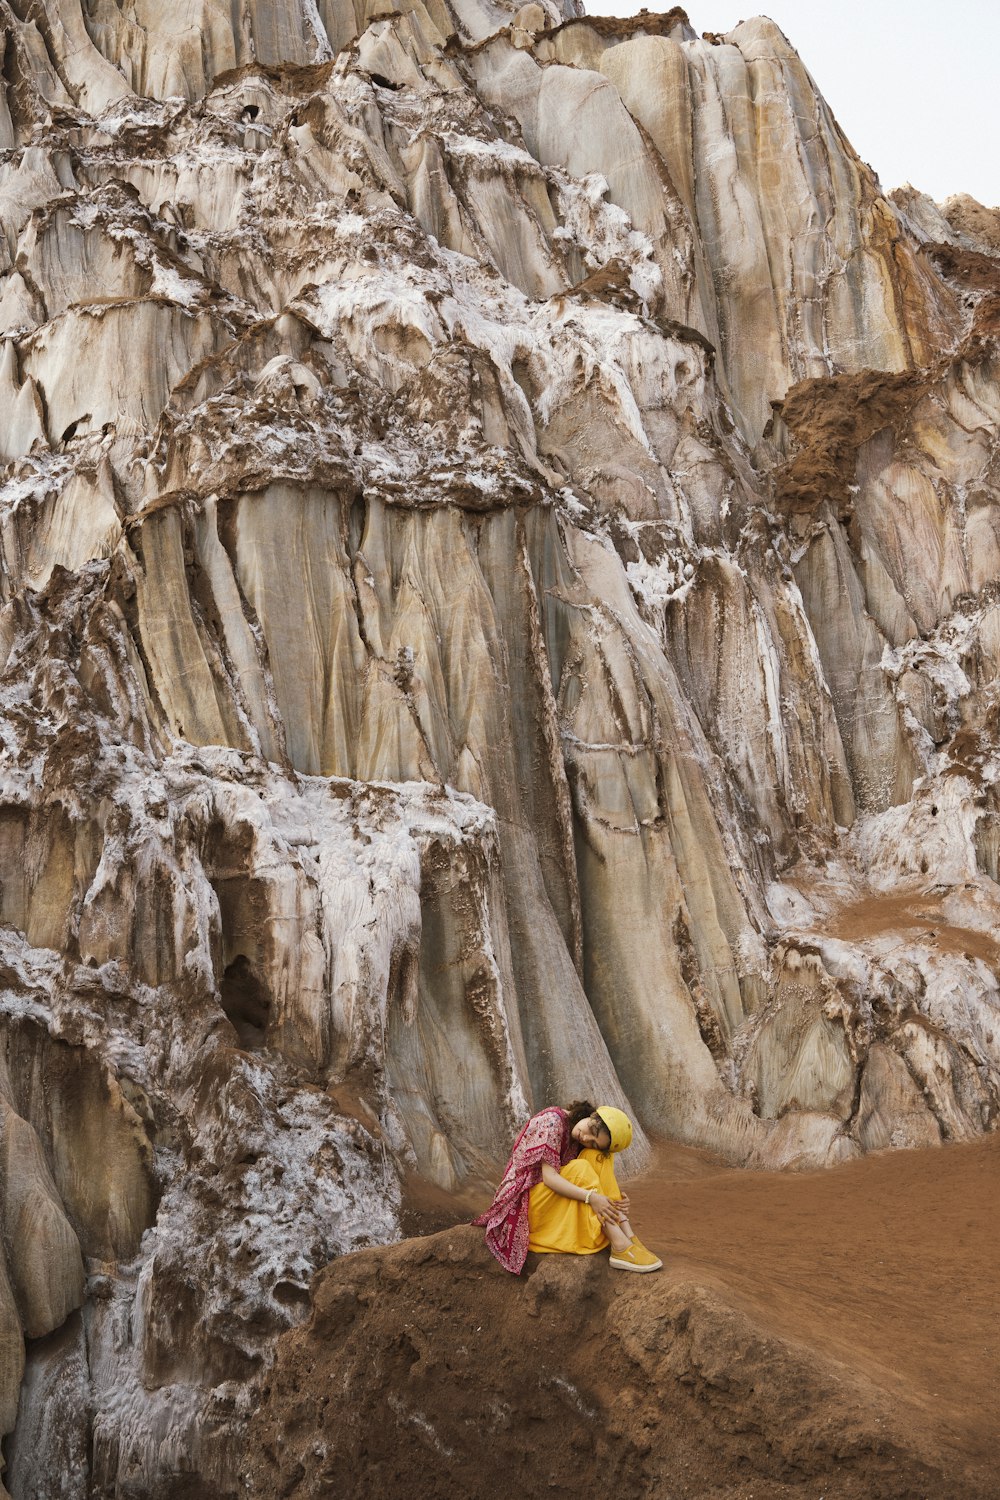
(559, 1192)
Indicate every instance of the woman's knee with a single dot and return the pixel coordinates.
(608, 1180)
(581, 1173)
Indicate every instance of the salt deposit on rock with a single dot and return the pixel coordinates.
(496, 603)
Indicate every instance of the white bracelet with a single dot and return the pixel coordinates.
(587, 1198)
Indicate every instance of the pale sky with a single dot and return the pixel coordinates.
(915, 84)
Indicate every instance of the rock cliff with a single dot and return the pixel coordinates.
(500, 540)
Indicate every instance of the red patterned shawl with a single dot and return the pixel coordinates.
(545, 1138)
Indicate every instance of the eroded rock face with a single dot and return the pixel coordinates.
(495, 605)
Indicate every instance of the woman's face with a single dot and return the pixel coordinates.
(592, 1132)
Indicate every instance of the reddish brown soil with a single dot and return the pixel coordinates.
(621, 27)
(890, 1264)
(968, 268)
(965, 214)
(906, 917)
(829, 419)
(830, 1335)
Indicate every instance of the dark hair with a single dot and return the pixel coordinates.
(582, 1109)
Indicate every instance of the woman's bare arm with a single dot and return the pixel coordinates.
(559, 1184)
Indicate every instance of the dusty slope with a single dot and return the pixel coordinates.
(833, 1334)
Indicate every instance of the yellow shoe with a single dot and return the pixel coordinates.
(635, 1258)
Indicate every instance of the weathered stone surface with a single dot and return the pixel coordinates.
(499, 547)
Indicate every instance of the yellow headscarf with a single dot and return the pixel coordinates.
(619, 1126)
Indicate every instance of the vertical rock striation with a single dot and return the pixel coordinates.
(499, 536)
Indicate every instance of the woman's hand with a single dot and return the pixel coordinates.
(607, 1210)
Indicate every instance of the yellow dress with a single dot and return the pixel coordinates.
(566, 1225)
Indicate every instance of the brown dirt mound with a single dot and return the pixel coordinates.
(970, 217)
(620, 28)
(824, 1334)
(829, 419)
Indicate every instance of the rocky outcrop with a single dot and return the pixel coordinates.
(424, 1366)
(489, 595)
(798, 267)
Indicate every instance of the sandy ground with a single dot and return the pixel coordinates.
(828, 1335)
(891, 1263)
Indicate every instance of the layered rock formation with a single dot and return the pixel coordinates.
(499, 531)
